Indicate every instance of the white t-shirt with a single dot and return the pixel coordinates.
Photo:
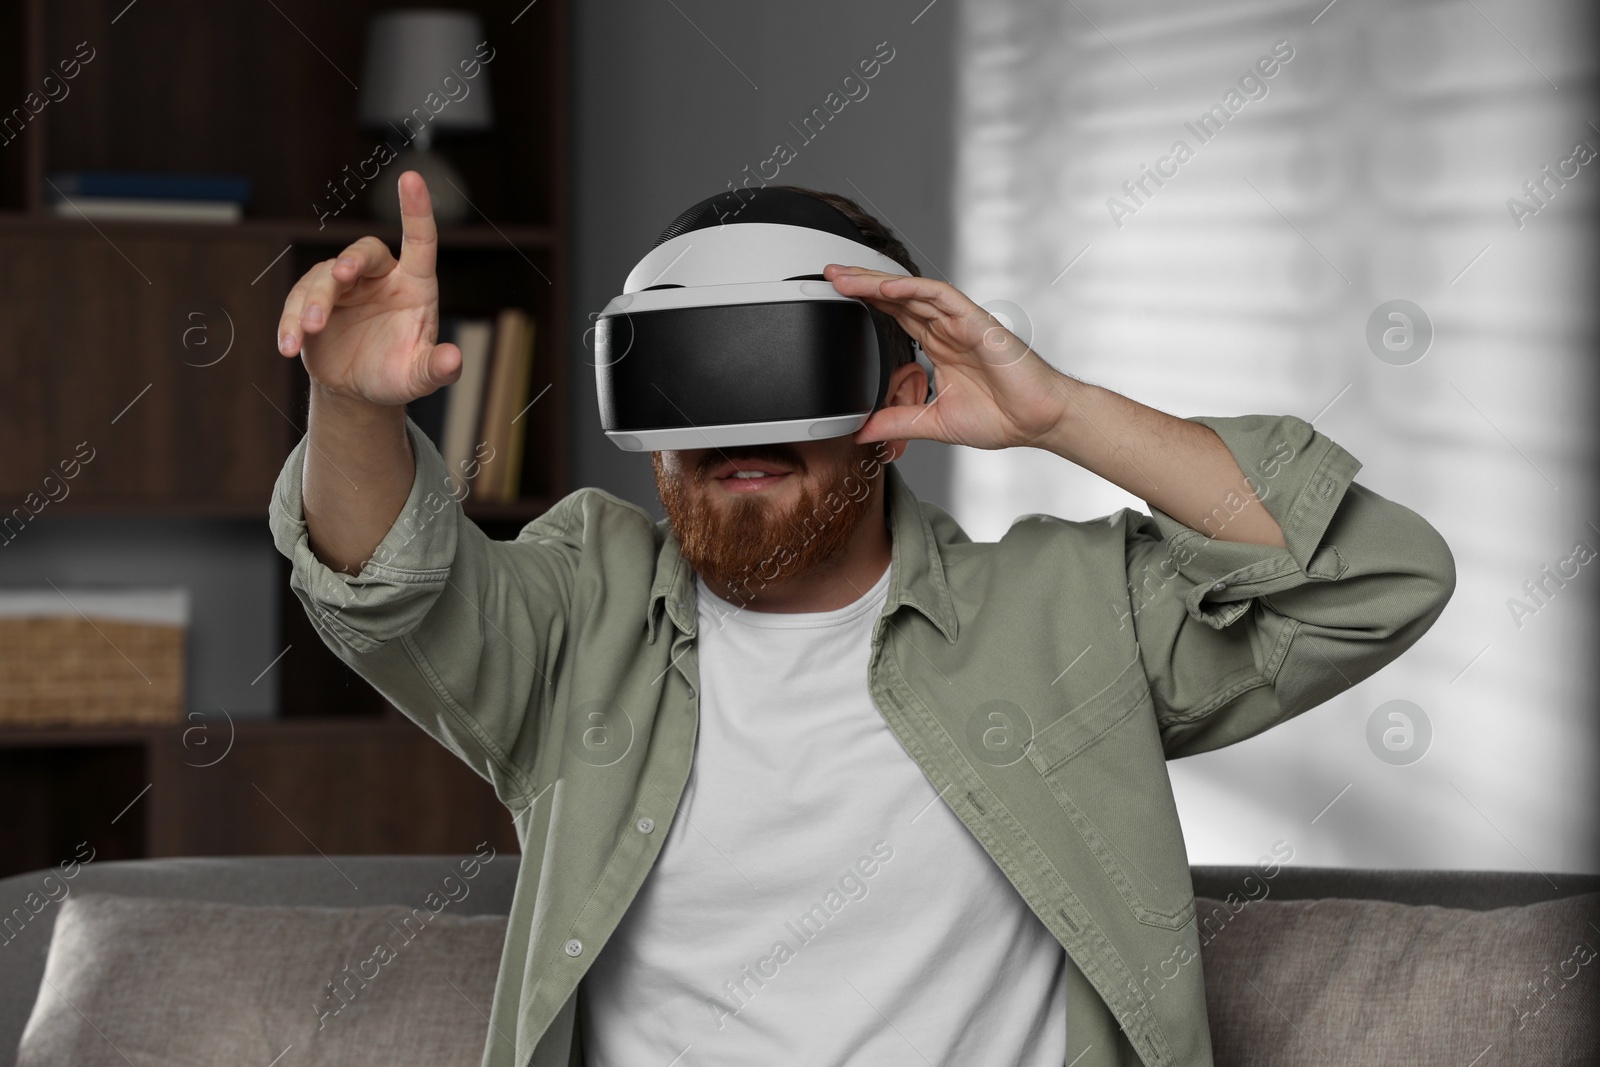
(815, 901)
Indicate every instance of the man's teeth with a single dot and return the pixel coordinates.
(751, 474)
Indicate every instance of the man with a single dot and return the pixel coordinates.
(801, 773)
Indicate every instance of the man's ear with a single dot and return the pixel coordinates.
(908, 384)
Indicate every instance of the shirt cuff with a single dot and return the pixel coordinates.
(398, 585)
(1300, 477)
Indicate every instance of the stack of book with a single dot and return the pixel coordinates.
(478, 423)
(147, 195)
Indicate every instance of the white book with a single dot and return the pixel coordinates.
(137, 209)
(464, 404)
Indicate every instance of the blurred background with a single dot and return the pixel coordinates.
(1381, 219)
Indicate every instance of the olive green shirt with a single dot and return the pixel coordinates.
(1040, 682)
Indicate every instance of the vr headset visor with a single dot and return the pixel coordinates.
(726, 333)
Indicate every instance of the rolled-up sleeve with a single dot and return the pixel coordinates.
(1237, 637)
(455, 629)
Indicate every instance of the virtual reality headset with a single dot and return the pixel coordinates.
(726, 332)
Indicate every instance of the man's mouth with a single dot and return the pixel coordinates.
(748, 476)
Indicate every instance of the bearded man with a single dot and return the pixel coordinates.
(801, 773)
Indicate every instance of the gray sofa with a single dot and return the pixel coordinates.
(1291, 941)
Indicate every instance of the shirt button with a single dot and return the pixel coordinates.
(1219, 587)
(691, 690)
(574, 947)
(645, 825)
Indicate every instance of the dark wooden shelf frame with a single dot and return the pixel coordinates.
(289, 231)
(353, 785)
(95, 310)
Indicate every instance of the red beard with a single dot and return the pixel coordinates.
(745, 542)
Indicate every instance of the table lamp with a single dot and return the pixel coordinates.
(413, 84)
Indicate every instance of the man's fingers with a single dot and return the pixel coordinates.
(320, 293)
(946, 298)
(289, 331)
(441, 366)
(921, 304)
(309, 303)
(329, 281)
(903, 308)
(916, 317)
(899, 421)
(419, 234)
(367, 257)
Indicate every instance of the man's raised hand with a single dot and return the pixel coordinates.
(995, 391)
(365, 324)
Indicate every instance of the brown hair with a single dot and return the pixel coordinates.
(879, 238)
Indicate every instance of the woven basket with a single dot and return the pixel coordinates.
(76, 671)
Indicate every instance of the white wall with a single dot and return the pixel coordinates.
(1377, 165)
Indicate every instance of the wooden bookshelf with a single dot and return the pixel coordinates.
(106, 321)
(111, 333)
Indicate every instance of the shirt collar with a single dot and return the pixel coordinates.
(916, 575)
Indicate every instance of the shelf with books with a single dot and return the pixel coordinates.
(339, 232)
(222, 200)
(159, 195)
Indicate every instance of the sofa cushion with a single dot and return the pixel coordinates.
(1334, 981)
(145, 981)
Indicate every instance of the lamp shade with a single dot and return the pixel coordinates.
(412, 53)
